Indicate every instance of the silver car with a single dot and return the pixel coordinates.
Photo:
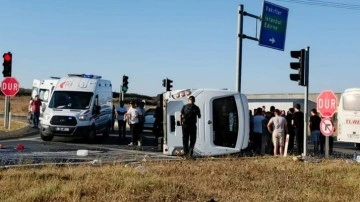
(149, 119)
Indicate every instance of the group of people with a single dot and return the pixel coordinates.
(268, 130)
(134, 116)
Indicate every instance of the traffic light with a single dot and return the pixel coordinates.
(300, 66)
(7, 64)
(168, 84)
(125, 83)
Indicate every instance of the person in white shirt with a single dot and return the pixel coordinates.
(119, 114)
(132, 116)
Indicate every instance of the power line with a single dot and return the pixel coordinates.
(330, 4)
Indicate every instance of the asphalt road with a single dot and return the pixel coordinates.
(65, 150)
(110, 150)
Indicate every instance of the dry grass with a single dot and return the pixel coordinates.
(14, 125)
(18, 105)
(229, 179)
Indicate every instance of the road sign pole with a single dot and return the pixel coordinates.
(327, 147)
(7, 106)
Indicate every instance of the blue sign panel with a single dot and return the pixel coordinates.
(273, 26)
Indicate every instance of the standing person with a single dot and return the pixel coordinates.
(283, 114)
(258, 131)
(278, 126)
(251, 133)
(140, 106)
(272, 110)
(314, 125)
(291, 133)
(132, 115)
(30, 114)
(113, 119)
(157, 128)
(189, 114)
(120, 112)
(266, 143)
(298, 124)
(35, 110)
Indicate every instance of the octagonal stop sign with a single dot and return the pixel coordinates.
(327, 103)
(10, 86)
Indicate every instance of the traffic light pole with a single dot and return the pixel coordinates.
(306, 118)
(121, 94)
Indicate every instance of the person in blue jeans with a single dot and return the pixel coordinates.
(35, 110)
(314, 125)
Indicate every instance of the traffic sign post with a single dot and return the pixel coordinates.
(10, 87)
(273, 26)
(326, 126)
(327, 103)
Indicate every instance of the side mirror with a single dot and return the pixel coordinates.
(43, 107)
(97, 109)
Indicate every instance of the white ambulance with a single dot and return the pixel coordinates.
(35, 88)
(44, 88)
(80, 105)
(222, 129)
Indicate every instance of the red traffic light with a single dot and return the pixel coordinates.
(7, 57)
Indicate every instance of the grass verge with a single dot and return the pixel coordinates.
(226, 179)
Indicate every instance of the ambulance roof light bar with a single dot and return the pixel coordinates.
(90, 76)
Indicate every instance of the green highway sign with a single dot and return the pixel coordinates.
(273, 26)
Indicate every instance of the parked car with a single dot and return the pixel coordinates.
(149, 119)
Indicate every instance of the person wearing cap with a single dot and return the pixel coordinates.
(188, 119)
(132, 115)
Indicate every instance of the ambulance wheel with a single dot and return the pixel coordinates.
(107, 131)
(92, 135)
(46, 138)
(357, 145)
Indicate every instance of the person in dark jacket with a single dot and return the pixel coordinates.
(314, 125)
(298, 124)
(189, 114)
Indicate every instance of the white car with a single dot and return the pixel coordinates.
(149, 119)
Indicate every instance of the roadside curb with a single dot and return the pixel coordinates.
(22, 132)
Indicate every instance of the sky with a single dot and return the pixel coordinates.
(193, 43)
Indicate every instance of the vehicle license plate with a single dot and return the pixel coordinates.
(62, 129)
